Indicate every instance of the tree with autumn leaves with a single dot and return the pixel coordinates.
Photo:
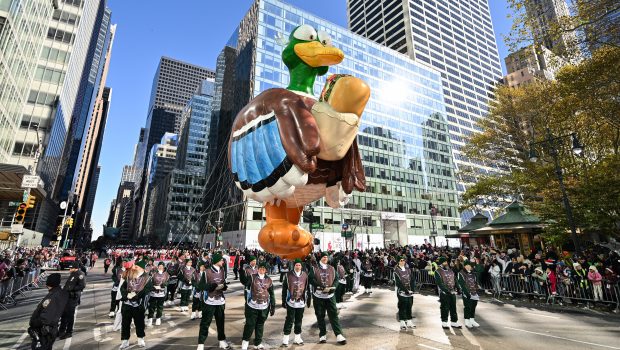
(585, 99)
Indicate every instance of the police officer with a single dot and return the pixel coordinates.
(74, 286)
(44, 319)
(294, 290)
(158, 294)
(324, 282)
(469, 291)
(134, 292)
(186, 276)
(117, 274)
(173, 271)
(405, 282)
(446, 282)
(260, 303)
(213, 284)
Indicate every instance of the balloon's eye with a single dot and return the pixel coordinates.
(305, 32)
(324, 38)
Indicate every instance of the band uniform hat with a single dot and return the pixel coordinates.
(141, 264)
(217, 257)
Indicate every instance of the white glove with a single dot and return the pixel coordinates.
(219, 287)
(131, 295)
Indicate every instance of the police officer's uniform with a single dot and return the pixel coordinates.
(74, 286)
(44, 319)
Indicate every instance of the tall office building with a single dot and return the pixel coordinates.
(161, 164)
(92, 86)
(403, 137)
(531, 64)
(23, 26)
(71, 113)
(543, 15)
(186, 185)
(455, 38)
(174, 83)
(55, 88)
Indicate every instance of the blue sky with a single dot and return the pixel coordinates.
(190, 30)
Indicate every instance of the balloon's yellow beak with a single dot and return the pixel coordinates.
(316, 55)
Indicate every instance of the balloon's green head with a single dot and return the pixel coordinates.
(309, 54)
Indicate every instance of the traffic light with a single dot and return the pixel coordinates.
(59, 229)
(20, 214)
(69, 222)
(31, 201)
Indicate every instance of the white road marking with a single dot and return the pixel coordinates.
(172, 324)
(428, 347)
(67, 344)
(567, 339)
(97, 334)
(20, 340)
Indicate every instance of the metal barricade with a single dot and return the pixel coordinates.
(517, 285)
(424, 278)
(20, 285)
(585, 291)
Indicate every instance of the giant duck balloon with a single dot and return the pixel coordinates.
(288, 148)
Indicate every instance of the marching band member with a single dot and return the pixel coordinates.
(294, 290)
(158, 294)
(469, 291)
(323, 279)
(197, 292)
(173, 271)
(186, 276)
(117, 273)
(134, 291)
(405, 282)
(261, 302)
(446, 282)
(213, 284)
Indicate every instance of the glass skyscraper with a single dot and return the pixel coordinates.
(403, 139)
(187, 182)
(456, 38)
(23, 25)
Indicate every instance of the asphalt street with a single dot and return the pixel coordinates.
(368, 321)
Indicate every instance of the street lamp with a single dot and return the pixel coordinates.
(551, 143)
